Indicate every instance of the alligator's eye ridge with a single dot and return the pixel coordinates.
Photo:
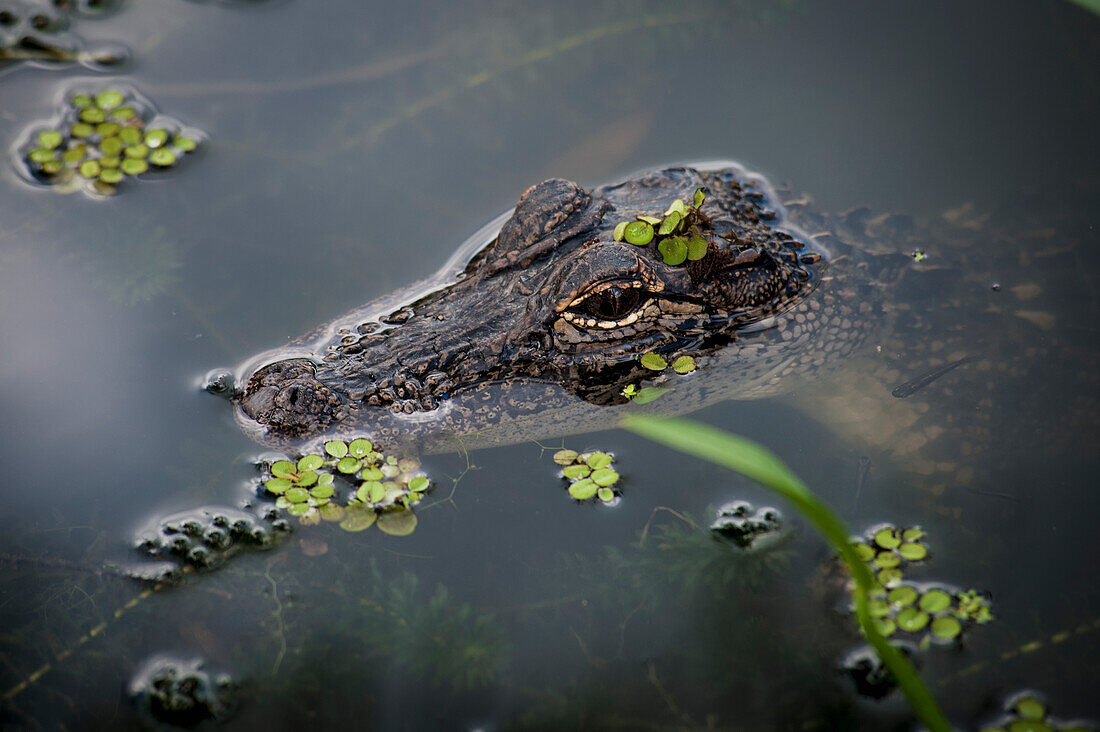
(613, 303)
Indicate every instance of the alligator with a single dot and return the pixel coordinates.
(536, 328)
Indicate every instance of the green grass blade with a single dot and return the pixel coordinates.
(1093, 5)
(757, 462)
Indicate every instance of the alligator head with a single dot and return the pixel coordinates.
(554, 299)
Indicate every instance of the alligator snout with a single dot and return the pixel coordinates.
(288, 396)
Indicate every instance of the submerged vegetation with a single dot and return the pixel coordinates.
(102, 138)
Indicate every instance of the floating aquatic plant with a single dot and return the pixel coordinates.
(102, 138)
(1026, 711)
(925, 612)
(677, 232)
(590, 475)
(373, 488)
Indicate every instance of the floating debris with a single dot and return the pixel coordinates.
(590, 475)
(181, 693)
(36, 32)
(748, 527)
(100, 139)
(203, 539)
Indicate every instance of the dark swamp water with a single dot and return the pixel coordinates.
(348, 151)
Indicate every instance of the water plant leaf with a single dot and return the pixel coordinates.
(358, 518)
(605, 494)
(81, 129)
(674, 250)
(565, 457)
(638, 233)
(651, 220)
(576, 472)
(282, 469)
(90, 168)
(109, 99)
(297, 495)
(654, 362)
(946, 627)
(419, 483)
(597, 460)
(683, 365)
(110, 146)
(49, 138)
(648, 393)
(130, 135)
(323, 490)
(935, 601)
(583, 489)
(758, 463)
(886, 538)
(677, 207)
(359, 448)
(670, 223)
(619, 229)
(371, 492)
(278, 485)
(307, 478)
(134, 166)
(184, 144)
(902, 596)
(156, 137)
(162, 157)
(310, 462)
(336, 448)
(605, 477)
(371, 473)
(911, 619)
(696, 247)
(397, 523)
(700, 196)
(912, 551)
(1030, 708)
(348, 465)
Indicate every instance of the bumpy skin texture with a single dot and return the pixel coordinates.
(555, 303)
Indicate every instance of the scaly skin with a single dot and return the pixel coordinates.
(543, 329)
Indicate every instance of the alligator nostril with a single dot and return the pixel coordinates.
(292, 396)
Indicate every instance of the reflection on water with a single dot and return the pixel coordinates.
(350, 151)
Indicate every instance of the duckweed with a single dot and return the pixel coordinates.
(677, 231)
(589, 474)
(308, 487)
(99, 139)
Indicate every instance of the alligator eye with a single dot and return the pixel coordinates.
(614, 303)
(611, 305)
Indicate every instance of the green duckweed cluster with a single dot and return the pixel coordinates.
(590, 475)
(927, 612)
(373, 487)
(101, 139)
(655, 362)
(1026, 711)
(677, 233)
